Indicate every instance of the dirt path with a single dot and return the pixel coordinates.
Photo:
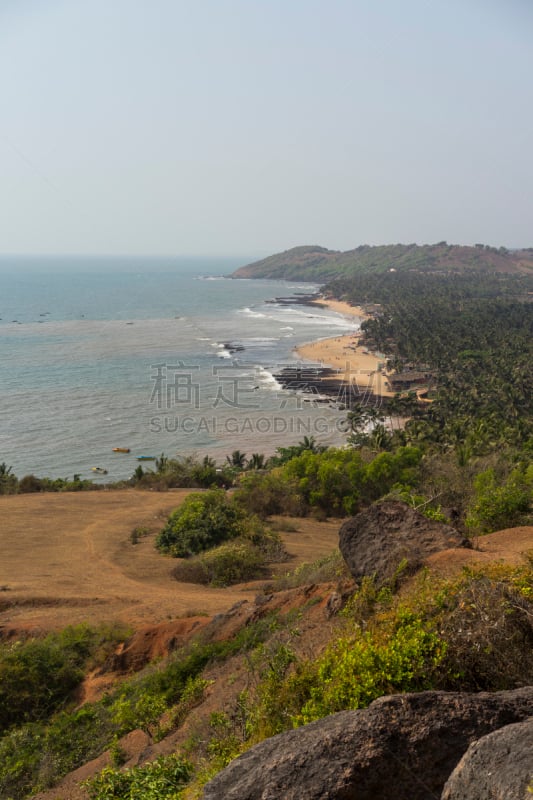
(67, 558)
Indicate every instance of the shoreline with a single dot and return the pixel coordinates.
(342, 307)
(353, 365)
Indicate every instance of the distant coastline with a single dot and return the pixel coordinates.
(318, 264)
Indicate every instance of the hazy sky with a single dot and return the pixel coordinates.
(222, 127)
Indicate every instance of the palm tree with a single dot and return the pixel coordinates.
(379, 438)
(161, 463)
(356, 418)
(237, 459)
(256, 461)
(8, 481)
(138, 473)
(308, 443)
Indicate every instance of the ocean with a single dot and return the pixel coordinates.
(158, 355)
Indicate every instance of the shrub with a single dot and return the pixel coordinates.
(500, 505)
(270, 493)
(8, 481)
(30, 483)
(333, 482)
(34, 756)
(203, 520)
(239, 560)
(158, 780)
(138, 533)
(324, 570)
(487, 621)
(357, 670)
(37, 677)
(225, 565)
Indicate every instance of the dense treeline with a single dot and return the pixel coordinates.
(476, 336)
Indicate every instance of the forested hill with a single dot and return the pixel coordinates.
(320, 264)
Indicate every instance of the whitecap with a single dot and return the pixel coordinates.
(250, 313)
(268, 379)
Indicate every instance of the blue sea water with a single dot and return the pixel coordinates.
(97, 353)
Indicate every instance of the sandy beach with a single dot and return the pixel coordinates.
(342, 307)
(354, 363)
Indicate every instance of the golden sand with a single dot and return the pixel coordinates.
(355, 364)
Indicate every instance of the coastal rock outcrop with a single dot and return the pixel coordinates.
(401, 746)
(497, 767)
(376, 541)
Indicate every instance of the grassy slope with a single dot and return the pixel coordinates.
(211, 730)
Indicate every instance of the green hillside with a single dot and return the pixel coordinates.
(321, 264)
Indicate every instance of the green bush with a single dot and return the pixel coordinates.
(203, 520)
(486, 619)
(333, 482)
(473, 632)
(356, 670)
(185, 472)
(504, 504)
(35, 755)
(238, 560)
(326, 569)
(30, 483)
(37, 677)
(159, 780)
(269, 493)
(8, 481)
(225, 565)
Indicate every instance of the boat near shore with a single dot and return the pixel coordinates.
(145, 458)
(99, 470)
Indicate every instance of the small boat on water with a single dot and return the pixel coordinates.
(100, 470)
(145, 458)
(121, 449)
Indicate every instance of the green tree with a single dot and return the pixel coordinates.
(256, 461)
(8, 481)
(204, 520)
(237, 459)
(502, 504)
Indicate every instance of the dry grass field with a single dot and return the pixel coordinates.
(69, 558)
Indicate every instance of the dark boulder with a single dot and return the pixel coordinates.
(376, 541)
(402, 746)
(497, 767)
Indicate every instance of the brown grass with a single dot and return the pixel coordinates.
(68, 558)
(508, 547)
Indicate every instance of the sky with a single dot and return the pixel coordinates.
(229, 127)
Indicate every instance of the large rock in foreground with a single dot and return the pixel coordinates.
(402, 746)
(497, 767)
(375, 541)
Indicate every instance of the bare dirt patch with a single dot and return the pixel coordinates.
(509, 546)
(68, 558)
